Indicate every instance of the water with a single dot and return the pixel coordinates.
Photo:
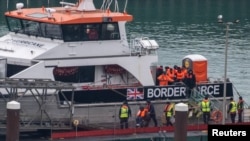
(183, 27)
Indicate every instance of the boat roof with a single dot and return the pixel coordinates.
(70, 14)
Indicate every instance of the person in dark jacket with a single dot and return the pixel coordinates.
(159, 71)
(124, 114)
(190, 82)
(240, 108)
(151, 112)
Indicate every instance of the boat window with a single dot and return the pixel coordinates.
(14, 25)
(27, 27)
(31, 28)
(90, 32)
(51, 31)
(14, 69)
(81, 74)
(110, 31)
(72, 32)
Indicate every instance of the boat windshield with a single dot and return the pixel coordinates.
(67, 32)
(33, 28)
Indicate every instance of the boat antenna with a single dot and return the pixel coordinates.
(7, 5)
(125, 7)
(106, 4)
(48, 3)
(116, 6)
(27, 3)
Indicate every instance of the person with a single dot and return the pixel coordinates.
(151, 112)
(92, 34)
(167, 68)
(190, 82)
(159, 71)
(164, 79)
(171, 74)
(124, 114)
(179, 75)
(169, 111)
(141, 117)
(240, 107)
(205, 106)
(232, 108)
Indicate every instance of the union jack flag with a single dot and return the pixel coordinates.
(135, 94)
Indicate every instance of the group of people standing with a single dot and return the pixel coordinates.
(233, 108)
(175, 75)
(145, 114)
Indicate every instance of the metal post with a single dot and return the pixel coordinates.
(225, 77)
(225, 69)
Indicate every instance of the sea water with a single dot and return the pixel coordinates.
(183, 27)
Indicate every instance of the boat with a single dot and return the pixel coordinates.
(73, 65)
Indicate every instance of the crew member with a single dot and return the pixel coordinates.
(240, 107)
(190, 82)
(124, 114)
(232, 108)
(151, 112)
(205, 108)
(169, 111)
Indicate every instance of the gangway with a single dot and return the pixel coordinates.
(196, 97)
(216, 105)
(38, 91)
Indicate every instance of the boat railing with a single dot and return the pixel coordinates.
(92, 118)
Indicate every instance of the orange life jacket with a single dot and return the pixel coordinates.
(171, 73)
(180, 75)
(164, 79)
(142, 113)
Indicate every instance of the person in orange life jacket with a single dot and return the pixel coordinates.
(159, 71)
(190, 82)
(166, 68)
(171, 74)
(124, 114)
(205, 106)
(179, 75)
(164, 79)
(169, 111)
(175, 70)
(232, 108)
(141, 117)
(151, 112)
(240, 107)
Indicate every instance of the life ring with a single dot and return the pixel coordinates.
(217, 116)
(76, 122)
